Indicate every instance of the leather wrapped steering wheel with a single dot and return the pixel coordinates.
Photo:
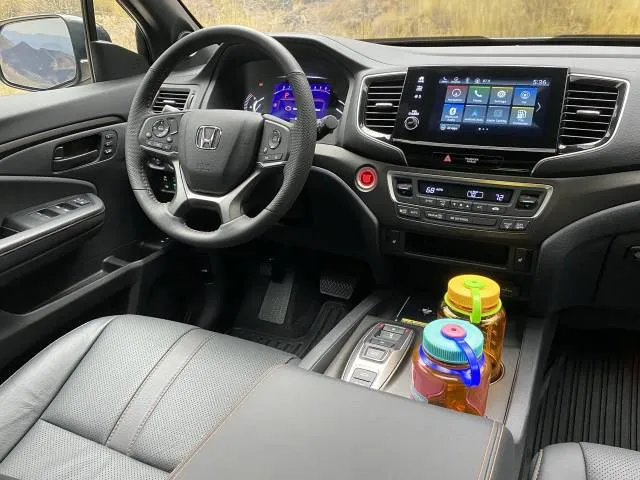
(219, 155)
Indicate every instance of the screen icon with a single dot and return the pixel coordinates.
(521, 116)
(474, 114)
(421, 79)
(498, 115)
(478, 95)
(456, 94)
(501, 95)
(452, 113)
(525, 96)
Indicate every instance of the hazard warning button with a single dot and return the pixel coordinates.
(448, 159)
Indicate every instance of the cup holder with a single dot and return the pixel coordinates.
(499, 376)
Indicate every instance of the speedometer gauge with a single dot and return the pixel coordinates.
(253, 104)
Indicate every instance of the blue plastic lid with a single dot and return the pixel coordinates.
(441, 340)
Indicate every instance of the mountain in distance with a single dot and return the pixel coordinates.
(5, 42)
(40, 40)
(40, 67)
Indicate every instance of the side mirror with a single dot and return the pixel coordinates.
(43, 52)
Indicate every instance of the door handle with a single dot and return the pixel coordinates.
(66, 162)
(74, 153)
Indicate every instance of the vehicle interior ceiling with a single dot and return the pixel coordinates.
(516, 161)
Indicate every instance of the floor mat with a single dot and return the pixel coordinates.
(594, 391)
(330, 313)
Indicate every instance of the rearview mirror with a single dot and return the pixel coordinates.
(41, 53)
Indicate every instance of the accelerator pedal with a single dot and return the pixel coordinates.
(338, 285)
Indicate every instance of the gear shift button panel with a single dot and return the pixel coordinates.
(378, 355)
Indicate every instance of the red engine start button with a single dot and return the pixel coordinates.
(367, 179)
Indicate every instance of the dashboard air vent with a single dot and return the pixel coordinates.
(590, 110)
(174, 97)
(381, 103)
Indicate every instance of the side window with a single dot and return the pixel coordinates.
(116, 23)
(42, 43)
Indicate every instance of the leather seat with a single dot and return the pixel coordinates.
(124, 397)
(585, 461)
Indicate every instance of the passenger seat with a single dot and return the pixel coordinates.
(585, 461)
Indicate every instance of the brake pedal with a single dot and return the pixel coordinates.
(276, 300)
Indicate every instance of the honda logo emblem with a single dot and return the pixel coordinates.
(208, 137)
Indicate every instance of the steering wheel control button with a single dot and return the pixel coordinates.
(366, 179)
(160, 128)
(411, 123)
(274, 139)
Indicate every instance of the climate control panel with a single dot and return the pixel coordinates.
(471, 203)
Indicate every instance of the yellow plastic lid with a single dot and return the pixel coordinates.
(475, 293)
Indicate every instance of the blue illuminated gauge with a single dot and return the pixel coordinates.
(283, 104)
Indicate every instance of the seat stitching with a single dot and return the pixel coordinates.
(139, 389)
(537, 468)
(200, 445)
(61, 386)
(486, 450)
(165, 389)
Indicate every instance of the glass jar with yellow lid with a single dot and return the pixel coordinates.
(476, 299)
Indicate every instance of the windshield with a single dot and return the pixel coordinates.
(425, 18)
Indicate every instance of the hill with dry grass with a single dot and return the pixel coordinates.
(377, 18)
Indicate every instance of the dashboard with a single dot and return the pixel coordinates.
(475, 157)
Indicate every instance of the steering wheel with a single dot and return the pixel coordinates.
(218, 155)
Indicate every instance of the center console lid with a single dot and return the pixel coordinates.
(297, 424)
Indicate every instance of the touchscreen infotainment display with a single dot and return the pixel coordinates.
(482, 106)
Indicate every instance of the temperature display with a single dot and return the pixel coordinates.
(453, 190)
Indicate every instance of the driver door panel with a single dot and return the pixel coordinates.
(85, 259)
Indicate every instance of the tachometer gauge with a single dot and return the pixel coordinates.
(253, 104)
